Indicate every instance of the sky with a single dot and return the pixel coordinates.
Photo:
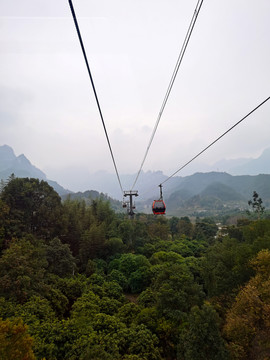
(48, 110)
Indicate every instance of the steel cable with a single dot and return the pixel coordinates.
(178, 63)
(94, 89)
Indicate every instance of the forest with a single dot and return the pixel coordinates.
(80, 281)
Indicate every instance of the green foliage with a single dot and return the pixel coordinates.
(256, 204)
(150, 318)
(7, 308)
(22, 270)
(60, 259)
(225, 267)
(226, 264)
(162, 257)
(57, 299)
(119, 277)
(139, 279)
(248, 319)
(127, 232)
(138, 291)
(114, 246)
(256, 229)
(147, 298)
(135, 272)
(97, 352)
(34, 208)
(173, 225)
(100, 266)
(76, 219)
(92, 243)
(182, 248)
(128, 313)
(159, 229)
(142, 342)
(184, 227)
(15, 342)
(102, 211)
(35, 310)
(86, 307)
(72, 287)
(4, 224)
(176, 291)
(205, 230)
(113, 290)
(200, 338)
(128, 263)
(109, 305)
(54, 340)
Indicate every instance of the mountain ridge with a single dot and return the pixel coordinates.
(20, 166)
(200, 190)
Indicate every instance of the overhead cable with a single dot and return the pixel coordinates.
(94, 89)
(178, 63)
(207, 147)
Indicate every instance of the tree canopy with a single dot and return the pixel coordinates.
(79, 281)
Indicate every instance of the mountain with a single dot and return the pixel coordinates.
(244, 166)
(90, 195)
(222, 192)
(20, 166)
(197, 193)
(244, 185)
(229, 165)
(214, 192)
(79, 179)
(261, 165)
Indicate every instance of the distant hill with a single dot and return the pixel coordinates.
(244, 166)
(20, 166)
(216, 191)
(198, 193)
(222, 192)
(90, 195)
(261, 165)
(81, 179)
(244, 184)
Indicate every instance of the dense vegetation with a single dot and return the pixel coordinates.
(79, 281)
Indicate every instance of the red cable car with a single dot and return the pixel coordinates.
(159, 207)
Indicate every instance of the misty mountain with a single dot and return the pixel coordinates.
(261, 165)
(222, 192)
(209, 191)
(239, 166)
(79, 179)
(90, 195)
(243, 185)
(228, 165)
(215, 191)
(20, 166)
(245, 166)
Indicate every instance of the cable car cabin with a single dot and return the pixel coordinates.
(158, 207)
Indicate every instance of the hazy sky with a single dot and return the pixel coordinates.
(47, 107)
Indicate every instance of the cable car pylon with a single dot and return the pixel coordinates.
(131, 204)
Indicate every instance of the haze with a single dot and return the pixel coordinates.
(47, 107)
